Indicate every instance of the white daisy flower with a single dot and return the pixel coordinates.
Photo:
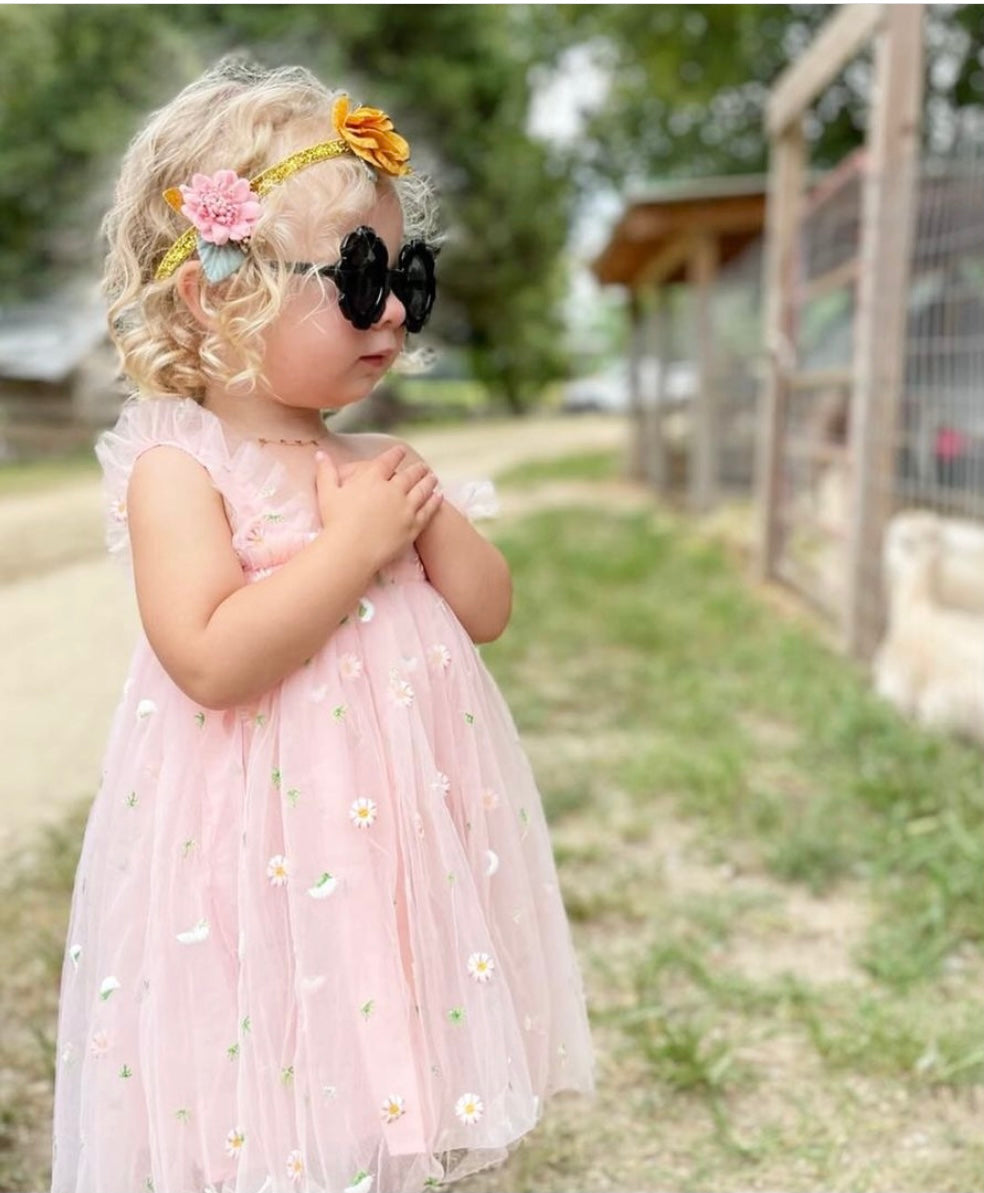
(401, 692)
(490, 799)
(367, 610)
(469, 1108)
(319, 693)
(324, 887)
(145, 709)
(234, 1142)
(438, 656)
(108, 986)
(441, 784)
(362, 813)
(330, 1091)
(491, 862)
(117, 509)
(480, 966)
(361, 1183)
(350, 665)
(393, 1108)
(277, 870)
(195, 935)
(295, 1165)
(99, 1044)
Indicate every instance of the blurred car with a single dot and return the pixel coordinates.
(610, 390)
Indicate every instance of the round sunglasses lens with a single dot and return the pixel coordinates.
(361, 278)
(414, 284)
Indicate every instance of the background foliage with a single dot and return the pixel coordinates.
(686, 86)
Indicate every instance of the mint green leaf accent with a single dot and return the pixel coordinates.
(200, 718)
(219, 261)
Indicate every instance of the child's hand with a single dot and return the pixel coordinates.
(383, 506)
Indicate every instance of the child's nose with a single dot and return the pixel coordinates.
(394, 312)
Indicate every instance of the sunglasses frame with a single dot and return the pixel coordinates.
(364, 243)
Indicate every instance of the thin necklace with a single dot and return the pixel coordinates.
(291, 442)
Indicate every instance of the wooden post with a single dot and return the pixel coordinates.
(701, 273)
(637, 442)
(662, 343)
(786, 177)
(887, 218)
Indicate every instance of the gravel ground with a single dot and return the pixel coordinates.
(68, 619)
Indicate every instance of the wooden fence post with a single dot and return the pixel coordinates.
(786, 179)
(887, 219)
(702, 274)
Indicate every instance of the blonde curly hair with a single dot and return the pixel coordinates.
(244, 118)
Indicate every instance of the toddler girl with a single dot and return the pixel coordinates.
(316, 941)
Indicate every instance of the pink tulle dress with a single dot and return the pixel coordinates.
(316, 943)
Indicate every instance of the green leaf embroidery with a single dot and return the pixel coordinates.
(339, 712)
(275, 777)
(245, 1025)
(131, 800)
(287, 1075)
(200, 718)
(293, 795)
(367, 1008)
(260, 720)
(232, 1051)
(126, 1071)
(182, 1115)
(451, 878)
(469, 718)
(456, 1015)
(189, 845)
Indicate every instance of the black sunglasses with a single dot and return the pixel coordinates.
(363, 279)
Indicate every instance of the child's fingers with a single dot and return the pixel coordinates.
(390, 460)
(429, 509)
(413, 475)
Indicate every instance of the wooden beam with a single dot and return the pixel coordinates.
(664, 262)
(838, 278)
(637, 442)
(661, 341)
(786, 176)
(834, 46)
(702, 274)
(887, 218)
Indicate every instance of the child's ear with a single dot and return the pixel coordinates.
(188, 283)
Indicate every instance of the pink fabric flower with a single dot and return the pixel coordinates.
(222, 207)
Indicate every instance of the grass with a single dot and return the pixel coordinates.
(34, 476)
(772, 880)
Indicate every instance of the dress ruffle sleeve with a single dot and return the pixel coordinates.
(143, 424)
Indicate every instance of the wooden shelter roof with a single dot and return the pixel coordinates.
(652, 242)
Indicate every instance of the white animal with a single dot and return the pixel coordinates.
(931, 663)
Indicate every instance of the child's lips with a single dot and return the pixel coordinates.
(377, 359)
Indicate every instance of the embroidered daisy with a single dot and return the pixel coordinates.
(469, 1108)
(99, 1044)
(401, 692)
(350, 666)
(145, 709)
(324, 887)
(362, 813)
(277, 870)
(438, 656)
(108, 986)
(441, 784)
(195, 935)
(295, 1165)
(480, 966)
(318, 694)
(393, 1108)
(361, 1182)
(234, 1142)
(490, 799)
(117, 511)
(367, 610)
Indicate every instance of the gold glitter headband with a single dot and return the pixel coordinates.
(367, 133)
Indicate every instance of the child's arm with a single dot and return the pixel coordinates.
(225, 641)
(466, 569)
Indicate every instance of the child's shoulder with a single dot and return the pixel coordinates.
(366, 445)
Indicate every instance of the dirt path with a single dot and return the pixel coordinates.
(68, 619)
